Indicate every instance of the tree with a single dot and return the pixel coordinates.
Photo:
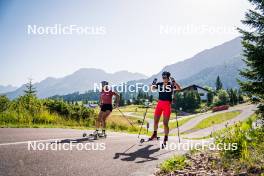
(253, 44)
(210, 95)
(121, 100)
(233, 96)
(30, 89)
(4, 102)
(151, 98)
(218, 84)
(222, 98)
(240, 96)
(178, 101)
(192, 101)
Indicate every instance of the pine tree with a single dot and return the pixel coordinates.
(218, 84)
(253, 43)
(30, 89)
(121, 100)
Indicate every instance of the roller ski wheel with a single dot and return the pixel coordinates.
(84, 135)
(163, 145)
(102, 135)
(148, 140)
(96, 136)
(142, 140)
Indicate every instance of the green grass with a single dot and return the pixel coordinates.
(176, 162)
(114, 123)
(252, 117)
(215, 119)
(173, 125)
(134, 108)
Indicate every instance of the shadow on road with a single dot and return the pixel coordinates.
(143, 153)
(78, 140)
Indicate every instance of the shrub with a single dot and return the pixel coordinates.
(175, 163)
(4, 103)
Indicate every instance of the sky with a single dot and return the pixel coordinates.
(134, 35)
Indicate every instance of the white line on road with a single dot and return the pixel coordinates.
(46, 140)
(25, 142)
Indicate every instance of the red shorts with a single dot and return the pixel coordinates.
(163, 106)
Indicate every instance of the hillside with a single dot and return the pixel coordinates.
(9, 88)
(202, 69)
(228, 72)
(80, 81)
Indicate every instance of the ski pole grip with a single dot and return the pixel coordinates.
(154, 81)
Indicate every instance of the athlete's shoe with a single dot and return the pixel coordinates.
(103, 131)
(154, 136)
(164, 142)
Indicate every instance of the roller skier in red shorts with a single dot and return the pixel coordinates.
(165, 90)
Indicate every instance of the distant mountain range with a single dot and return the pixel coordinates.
(80, 81)
(228, 72)
(8, 88)
(224, 60)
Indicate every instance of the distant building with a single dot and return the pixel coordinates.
(201, 91)
(89, 105)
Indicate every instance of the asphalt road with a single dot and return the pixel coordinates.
(123, 154)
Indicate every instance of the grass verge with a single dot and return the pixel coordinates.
(213, 120)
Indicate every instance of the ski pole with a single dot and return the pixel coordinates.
(177, 126)
(143, 121)
(174, 82)
(125, 117)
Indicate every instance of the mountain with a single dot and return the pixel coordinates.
(79, 81)
(228, 72)
(8, 88)
(224, 60)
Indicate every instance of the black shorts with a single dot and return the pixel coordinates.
(106, 107)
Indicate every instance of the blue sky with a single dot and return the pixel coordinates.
(133, 39)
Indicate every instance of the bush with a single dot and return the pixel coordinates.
(222, 98)
(4, 103)
(177, 162)
(249, 142)
(29, 110)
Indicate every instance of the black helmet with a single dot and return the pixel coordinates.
(166, 74)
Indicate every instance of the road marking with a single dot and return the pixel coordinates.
(25, 142)
(49, 140)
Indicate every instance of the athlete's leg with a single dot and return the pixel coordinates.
(99, 120)
(166, 119)
(156, 122)
(166, 125)
(157, 114)
(106, 114)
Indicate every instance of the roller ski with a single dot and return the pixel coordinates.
(152, 138)
(164, 144)
(95, 135)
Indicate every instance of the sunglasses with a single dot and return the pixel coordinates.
(164, 77)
